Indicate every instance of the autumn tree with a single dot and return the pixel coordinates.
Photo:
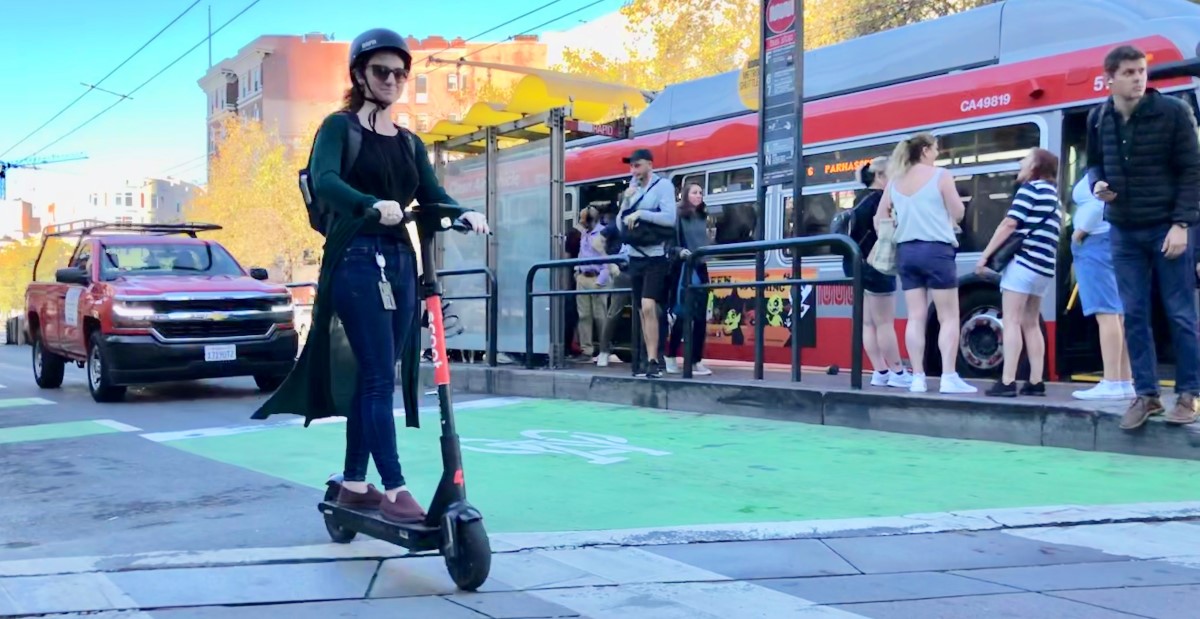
(691, 39)
(16, 268)
(252, 193)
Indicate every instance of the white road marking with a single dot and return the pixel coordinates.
(164, 437)
(117, 425)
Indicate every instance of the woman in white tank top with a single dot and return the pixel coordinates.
(924, 204)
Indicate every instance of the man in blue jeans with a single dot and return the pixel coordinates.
(1145, 159)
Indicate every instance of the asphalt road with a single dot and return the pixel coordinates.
(76, 487)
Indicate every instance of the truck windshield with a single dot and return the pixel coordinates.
(167, 259)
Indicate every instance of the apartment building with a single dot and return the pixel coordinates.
(151, 201)
(290, 83)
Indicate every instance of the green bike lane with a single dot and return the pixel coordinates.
(549, 465)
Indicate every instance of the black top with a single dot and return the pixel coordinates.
(1152, 161)
(385, 169)
(862, 229)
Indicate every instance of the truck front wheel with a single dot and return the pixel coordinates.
(47, 367)
(98, 371)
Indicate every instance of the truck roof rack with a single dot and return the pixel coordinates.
(89, 227)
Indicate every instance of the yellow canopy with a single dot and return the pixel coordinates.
(539, 91)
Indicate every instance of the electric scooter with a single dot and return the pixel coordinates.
(451, 526)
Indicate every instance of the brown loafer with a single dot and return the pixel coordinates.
(404, 510)
(1143, 408)
(360, 500)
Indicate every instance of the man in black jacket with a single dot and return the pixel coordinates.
(1144, 153)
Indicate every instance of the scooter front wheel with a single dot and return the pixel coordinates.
(337, 532)
(472, 560)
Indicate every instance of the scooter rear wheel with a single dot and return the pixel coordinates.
(472, 562)
(337, 532)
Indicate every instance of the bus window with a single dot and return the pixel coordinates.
(987, 198)
(605, 195)
(732, 223)
(818, 213)
(725, 181)
(988, 146)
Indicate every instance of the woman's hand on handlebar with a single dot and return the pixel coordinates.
(390, 212)
(475, 221)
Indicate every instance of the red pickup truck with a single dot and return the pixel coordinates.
(146, 303)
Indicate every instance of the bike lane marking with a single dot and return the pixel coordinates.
(67, 429)
(548, 465)
(18, 402)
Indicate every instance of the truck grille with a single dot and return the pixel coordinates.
(216, 305)
(207, 329)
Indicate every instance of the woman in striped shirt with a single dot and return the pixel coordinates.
(1035, 215)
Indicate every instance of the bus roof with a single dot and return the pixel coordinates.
(1003, 32)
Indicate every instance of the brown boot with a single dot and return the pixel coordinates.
(360, 500)
(404, 510)
(1184, 411)
(1143, 408)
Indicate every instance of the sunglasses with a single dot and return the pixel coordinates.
(381, 72)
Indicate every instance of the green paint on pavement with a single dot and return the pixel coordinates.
(17, 402)
(48, 431)
(682, 469)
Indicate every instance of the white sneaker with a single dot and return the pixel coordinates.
(699, 369)
(1127, 387)
(919, 384)
(1104, 390)
(672, 365)
(953, 383)
(902, 380)
(602, 360)
(879, 379)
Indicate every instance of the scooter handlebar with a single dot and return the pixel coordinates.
(372, 215)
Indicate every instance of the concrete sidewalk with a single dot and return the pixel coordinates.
(1062, 562)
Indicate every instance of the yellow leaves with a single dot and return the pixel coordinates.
(252, 191)
(16, 268)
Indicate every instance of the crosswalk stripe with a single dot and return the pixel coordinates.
(16, 402)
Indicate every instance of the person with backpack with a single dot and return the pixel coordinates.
(879, 303)
(366, 315)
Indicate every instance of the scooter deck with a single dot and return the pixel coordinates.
(415, 537)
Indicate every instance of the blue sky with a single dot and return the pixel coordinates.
(50, 46)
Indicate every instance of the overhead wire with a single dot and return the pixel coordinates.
(151, 79)
(92, 87)
(497, 27)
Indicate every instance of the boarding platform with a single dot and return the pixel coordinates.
(1057, 420)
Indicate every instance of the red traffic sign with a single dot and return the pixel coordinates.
(781, 15)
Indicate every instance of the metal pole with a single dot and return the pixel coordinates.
(529, 316)
(760, 258)
(491, 252)
(798, 177)
(557, 235)
(687, 317)
(856, 324)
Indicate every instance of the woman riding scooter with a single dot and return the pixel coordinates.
(368, 278)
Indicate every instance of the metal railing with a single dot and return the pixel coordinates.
(572, 262)
(832, 241)
(492, 307)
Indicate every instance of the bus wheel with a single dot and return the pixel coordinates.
(981, 337)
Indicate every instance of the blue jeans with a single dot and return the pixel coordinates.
(376, 336)
(1136, 253)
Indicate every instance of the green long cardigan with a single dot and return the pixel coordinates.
(323, 380)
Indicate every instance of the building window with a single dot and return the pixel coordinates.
(422, 88)
(403, 120)
(258, 78)
(452, 82)
(423, 122)
(454, 117)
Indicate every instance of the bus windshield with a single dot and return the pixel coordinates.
(167, 259)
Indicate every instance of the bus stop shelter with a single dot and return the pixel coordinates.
(508, 160)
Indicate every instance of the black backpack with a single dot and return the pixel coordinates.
(319, 213)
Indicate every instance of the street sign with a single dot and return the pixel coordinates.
(779, 70)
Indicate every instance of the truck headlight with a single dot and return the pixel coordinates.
(131, 314)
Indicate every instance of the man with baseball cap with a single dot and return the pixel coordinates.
(646, 223)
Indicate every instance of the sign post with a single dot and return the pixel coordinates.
(780, 145)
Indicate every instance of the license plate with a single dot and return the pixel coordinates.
(222, 352)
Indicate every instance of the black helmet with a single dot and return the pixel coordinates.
(376, 39)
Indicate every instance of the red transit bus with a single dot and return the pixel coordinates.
(992, 83)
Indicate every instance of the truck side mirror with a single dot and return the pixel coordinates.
(71, 275)
(259, 273)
